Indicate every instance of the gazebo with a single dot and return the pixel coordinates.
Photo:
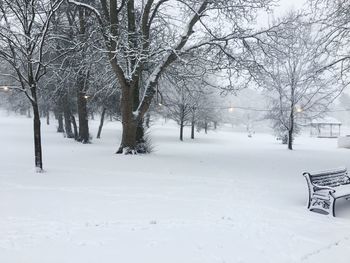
(327, 127)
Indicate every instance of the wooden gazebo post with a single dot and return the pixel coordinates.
(331, 130)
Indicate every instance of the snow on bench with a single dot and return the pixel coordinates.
(326, 187)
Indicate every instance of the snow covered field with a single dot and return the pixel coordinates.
(221, 198)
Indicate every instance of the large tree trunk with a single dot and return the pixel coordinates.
(140, 131)
(82, 81)
(67, 117)
(67, 122)
(128, 144)
(129, 123)
(140, 134)
(101, 123)
(82, 113)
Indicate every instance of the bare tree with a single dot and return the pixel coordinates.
(333, 21)
(80, 75)
(143, 38)
(179, 102)
(23, 27)
(297, 88)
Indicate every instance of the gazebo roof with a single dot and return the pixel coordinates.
(326, 120)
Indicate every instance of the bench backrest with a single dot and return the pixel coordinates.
(331, 178)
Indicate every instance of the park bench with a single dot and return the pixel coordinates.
(326, 187)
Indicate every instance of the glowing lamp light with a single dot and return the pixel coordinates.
(299, 110)
(231, 109)
(86, 96)
(5, 88)
(160, 104)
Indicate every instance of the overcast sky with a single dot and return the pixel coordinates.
(283, 6)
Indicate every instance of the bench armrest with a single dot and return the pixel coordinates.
(320, 188)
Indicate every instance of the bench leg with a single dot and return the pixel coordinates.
(333, 205)
(323, 204)
(309, 202)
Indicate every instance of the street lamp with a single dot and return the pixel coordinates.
(299, 109)
(4, 88)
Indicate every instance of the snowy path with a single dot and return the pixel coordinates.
(222, 198)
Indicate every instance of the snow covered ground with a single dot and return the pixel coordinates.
(221, 198)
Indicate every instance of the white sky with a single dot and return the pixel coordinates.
(282, 7)
(285, 5)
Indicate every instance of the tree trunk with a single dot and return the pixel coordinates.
(82, 80)
(181, 130)
(129, 124)
(290, 132)
(60, 122)
(291, 124)
(67, 122)
(75, 127)
(47, 117)
(133, 131)
(128, 144)
(290, 140)
(206, 127)
(140, 130)
(83, 114)
(37, 139)
(101, 123)
(37, 129)
(192, 127)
